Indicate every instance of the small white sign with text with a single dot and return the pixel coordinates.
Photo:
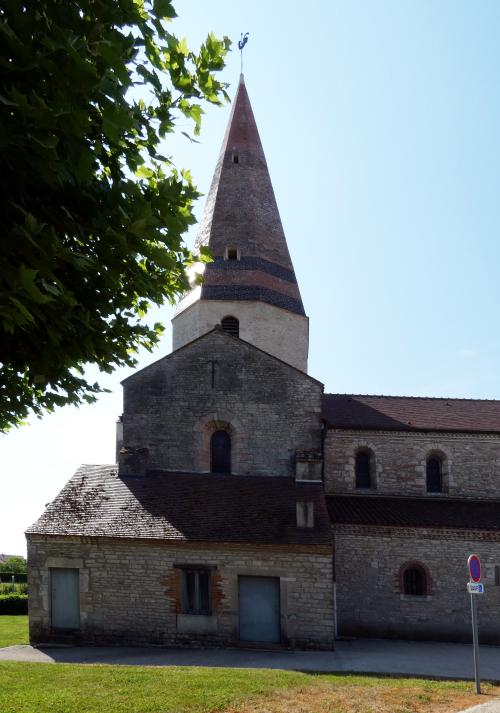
(475, 587)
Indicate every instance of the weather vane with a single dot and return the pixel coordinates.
(241, 44)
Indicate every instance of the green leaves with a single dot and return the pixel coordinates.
(163, 8)
(92, 214)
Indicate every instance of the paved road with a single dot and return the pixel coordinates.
(437, 660)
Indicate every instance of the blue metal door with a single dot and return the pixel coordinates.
(65, 598)
(259, 607)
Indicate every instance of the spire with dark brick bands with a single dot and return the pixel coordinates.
(241, 213)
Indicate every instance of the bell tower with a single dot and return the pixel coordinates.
(250, 288)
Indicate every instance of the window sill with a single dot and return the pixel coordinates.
(415, 597)
(197, 624)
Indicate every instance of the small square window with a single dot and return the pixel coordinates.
(232, 253)
(196, 591)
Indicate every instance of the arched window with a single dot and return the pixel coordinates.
(434, 475)
(414, 581)
(220, 452)
(363, 467)
(231, 325)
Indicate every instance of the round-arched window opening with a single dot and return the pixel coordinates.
(231, 325)
(414, 582)
(363, 469)
(434, 478)
(220, 452)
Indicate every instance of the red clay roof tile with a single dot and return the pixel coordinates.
(429, 512)
(184, 507)
(410, 413)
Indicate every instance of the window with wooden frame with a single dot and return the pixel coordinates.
(196, 590)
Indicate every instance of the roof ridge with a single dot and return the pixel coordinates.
(424, 398)
(217, 329)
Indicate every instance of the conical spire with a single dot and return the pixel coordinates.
(249, 289)
(241, 223)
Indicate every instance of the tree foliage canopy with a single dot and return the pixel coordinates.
(92, 215)
(14, 564)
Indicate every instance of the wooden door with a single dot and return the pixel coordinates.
(65, 598)
(259, 609)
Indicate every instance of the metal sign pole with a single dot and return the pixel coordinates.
(475, 642)
(475, 587)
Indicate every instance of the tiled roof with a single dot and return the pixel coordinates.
(256, 294)
(410, 413)
(184, 506)
(241, 212)
(427, 512)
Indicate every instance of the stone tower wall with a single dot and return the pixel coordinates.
(279, 332)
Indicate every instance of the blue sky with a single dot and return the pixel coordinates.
(380, 122)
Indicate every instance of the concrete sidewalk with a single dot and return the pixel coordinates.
(409, 658)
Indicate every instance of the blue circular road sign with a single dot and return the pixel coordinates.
(474, 568)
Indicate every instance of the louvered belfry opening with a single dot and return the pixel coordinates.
(231, 325)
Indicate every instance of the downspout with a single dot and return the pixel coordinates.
(334, 578)
(323, 436)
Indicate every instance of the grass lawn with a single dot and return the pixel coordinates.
(70, 688)
(13, 630)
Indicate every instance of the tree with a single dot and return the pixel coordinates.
(92, 215)
(14, 564)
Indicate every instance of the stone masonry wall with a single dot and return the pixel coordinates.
(130, 591)
(471, 462)
(220, 382)
(369, 600)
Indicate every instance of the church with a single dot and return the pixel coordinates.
(249, 508)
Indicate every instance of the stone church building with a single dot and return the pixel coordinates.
(248, 507)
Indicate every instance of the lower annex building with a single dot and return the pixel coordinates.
(247, 506)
